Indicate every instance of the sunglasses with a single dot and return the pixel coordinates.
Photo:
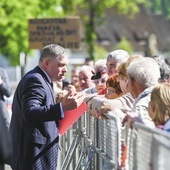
(96, 82)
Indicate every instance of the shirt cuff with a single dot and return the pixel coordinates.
(61, 110)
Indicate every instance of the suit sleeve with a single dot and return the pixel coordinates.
(37, 102)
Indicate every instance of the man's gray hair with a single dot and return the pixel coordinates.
(145, 71)
(52, 50)
(87, 69)
(120, 56)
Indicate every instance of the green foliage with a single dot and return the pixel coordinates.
(70, 6)
(92, 10)
(159, 7)
(125, 45)
(90, 37)
(14, 17)
(100, 53)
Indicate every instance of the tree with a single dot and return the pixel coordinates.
(91, 12)
(159, 7)
(125, 45)
(14, 16)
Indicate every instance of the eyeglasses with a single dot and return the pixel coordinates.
(96, 82)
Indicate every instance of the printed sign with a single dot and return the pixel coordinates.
(62, 31)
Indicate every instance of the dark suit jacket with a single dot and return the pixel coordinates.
(33, 128)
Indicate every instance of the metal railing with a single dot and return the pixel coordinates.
(93, 144)
(145, 146)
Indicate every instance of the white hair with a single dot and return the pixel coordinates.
(144, 71)
(101, 63)
(86, 68)
(120, 56)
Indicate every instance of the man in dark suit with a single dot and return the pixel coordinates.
(5, 90)
(35, 114)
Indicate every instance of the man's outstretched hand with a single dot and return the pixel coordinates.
(72, 100)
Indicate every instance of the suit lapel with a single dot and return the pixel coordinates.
(46, 79)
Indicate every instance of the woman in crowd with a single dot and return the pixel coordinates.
(99, 78)
(159, 106)
(113, 87)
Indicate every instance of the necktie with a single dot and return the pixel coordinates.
(52, 85)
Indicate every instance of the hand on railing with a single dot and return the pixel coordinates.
(130, 118)
(94, 107)
(104, 109)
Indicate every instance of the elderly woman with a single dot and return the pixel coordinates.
(99, 77)
(113, 87)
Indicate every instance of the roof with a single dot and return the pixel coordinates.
(134, 30)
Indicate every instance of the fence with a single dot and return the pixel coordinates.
(104, 145)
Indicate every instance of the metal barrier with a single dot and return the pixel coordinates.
(161, 152)
(96, 144)
(144, 148)
(104, 145)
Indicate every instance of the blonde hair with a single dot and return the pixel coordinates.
(160, 99)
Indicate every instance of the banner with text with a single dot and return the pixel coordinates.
(62, 31)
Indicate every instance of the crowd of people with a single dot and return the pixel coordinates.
(126, 83)
(135, 87)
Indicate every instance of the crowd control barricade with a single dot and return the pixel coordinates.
(93, 144)
(160, 153)
(146, 146)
